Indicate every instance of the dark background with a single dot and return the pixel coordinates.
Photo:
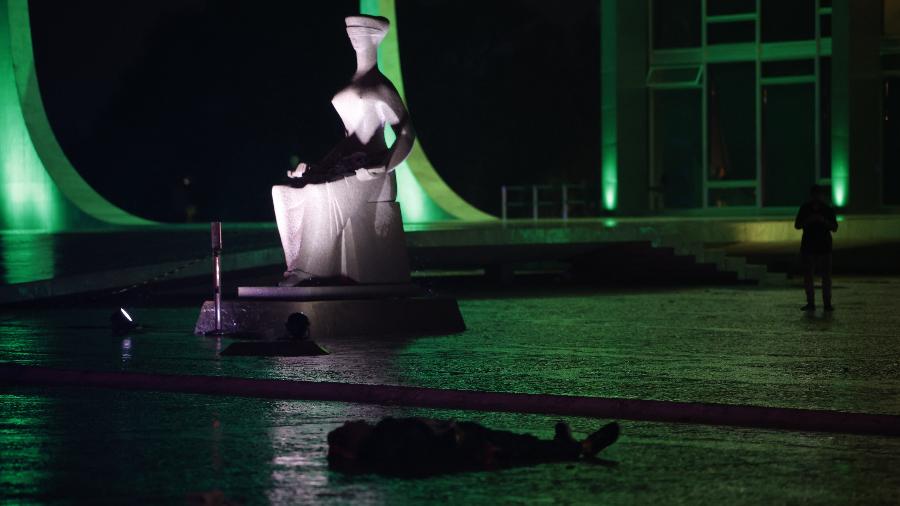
(167, 104)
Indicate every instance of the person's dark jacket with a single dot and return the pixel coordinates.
(818, 221)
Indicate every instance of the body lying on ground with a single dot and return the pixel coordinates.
(415, 447)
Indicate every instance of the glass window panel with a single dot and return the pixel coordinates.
(788, 20)
(825, 117)
(731, 124)
(785, 68)
(891, 132)
(892, 17)
(890, 62)
(674, 75)
(724, 7)
(789, 143)
(731, 33)
(732, 197)
(676, 23)
(825, 25)
(566, 91)
(678, 147)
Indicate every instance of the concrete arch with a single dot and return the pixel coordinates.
(423, 194)
(41, 189)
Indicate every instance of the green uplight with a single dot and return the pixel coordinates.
(840, 140)
(840, 164)
(609, 169)
(840, 179)
(610, 178)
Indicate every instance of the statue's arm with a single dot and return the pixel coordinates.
(397, 116)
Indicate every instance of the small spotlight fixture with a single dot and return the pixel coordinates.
(122, 322)
(297, 326)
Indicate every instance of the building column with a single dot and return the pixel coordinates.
(625, 165)
(856, 104)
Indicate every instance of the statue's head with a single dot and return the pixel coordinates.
(366, 30)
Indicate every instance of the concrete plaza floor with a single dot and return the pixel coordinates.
(741, 345)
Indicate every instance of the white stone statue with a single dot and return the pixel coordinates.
(338, 219)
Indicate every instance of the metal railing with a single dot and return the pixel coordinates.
(571, 198)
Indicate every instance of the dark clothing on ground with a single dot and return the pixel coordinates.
(818, 221)
(416, 447)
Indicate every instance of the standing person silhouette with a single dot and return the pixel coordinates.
(818, 220)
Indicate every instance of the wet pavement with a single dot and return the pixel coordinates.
(741, 345)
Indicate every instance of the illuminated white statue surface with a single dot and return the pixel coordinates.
(338, 218)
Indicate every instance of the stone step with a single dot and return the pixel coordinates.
(722, 262)
(753, 272)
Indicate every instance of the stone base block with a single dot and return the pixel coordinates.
(265, 319)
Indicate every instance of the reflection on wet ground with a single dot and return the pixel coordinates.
(136, 447)
(731, 345)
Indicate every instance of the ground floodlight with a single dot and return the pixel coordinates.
(297, 326)
(122, 322)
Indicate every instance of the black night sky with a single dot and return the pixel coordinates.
(143, 95)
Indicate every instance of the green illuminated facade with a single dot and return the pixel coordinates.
(707, 105)
(609, 176)
(743, 104)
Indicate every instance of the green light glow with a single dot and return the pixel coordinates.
(26, 256)
(610, 178)
(414, 202)
(41, 190)
(840, 152)
(840, 181)
(840, 111)
(30, 200)
(422, 194)
(609, 169)
(23, 440)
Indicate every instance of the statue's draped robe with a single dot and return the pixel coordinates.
(350, 227)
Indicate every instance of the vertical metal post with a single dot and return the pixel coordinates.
(503, 202)
(216, 235)
(565, 201)
(534, 202)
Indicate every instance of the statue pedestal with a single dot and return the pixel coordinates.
(298, 293)
(335, 312)
(331, 229)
